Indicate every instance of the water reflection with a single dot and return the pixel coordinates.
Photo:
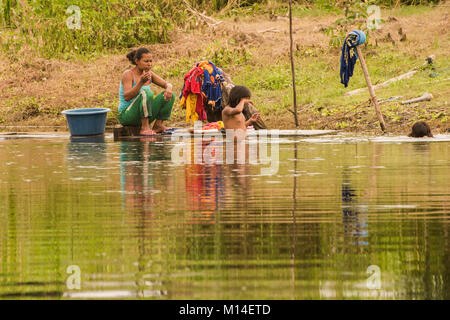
(213, 172)
(140, 162)
(355, 222)
(87, 150)
(205, 187)
(140, 225)
(421, 147)
(136, 176)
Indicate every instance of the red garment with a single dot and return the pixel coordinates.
(193, 81)
(200, 107)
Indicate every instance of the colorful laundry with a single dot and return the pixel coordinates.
(203, 81)
(213, 125)
(190, 103)
(211, 86)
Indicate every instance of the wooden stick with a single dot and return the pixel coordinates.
(269, 30)
(371, 90)
(204, 17)
(292, 65)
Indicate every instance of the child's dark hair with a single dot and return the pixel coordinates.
(420, 129)
(137, 54)
(236, 94)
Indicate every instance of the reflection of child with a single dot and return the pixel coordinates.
(232, 115)
(420, 129)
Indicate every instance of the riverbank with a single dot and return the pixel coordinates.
(254, 50)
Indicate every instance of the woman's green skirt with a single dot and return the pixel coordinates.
(146, 106)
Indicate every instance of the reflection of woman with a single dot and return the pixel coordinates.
(139, 163)
(138, 106)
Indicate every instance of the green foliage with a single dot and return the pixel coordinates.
(114, 24)
(48, 26)
(178, 69)
(355, 13)
(225, 55)
(392, 3)
(6, 11)
(272, 78)
(342, 125)
(28, 107)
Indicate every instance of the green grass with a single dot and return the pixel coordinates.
(318, 84)
(407, 11)
(48, 28)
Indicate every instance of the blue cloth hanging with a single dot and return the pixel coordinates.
(213, 90)
(349, 55)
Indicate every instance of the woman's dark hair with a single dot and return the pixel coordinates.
(137, 54)
(236, 94)
(420, 129)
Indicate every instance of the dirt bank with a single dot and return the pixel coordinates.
(33, 91)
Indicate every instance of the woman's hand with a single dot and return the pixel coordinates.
(168, 92)
(146, 76)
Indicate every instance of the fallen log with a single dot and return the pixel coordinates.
(384, 84)
(269, 30)
(429, 60)
(425, 97)
(208, 20)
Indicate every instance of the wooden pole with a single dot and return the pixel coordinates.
(292, 64)
(371, 90)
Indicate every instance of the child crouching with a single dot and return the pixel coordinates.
(232, 115)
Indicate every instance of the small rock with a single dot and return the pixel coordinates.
(389, 39)
(319, 28)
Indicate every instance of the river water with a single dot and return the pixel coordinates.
(337, 218)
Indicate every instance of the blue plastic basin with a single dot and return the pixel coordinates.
(86, 122)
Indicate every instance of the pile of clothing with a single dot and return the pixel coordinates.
(201, 90)
(218, 125)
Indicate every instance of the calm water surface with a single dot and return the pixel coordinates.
(139, 225)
